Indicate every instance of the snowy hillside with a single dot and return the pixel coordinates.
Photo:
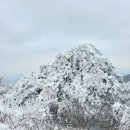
(126, 94)
(4, 127)
(79, 90)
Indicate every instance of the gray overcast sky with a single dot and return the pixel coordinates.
(32, 32)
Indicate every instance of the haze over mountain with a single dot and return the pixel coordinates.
(126, 78)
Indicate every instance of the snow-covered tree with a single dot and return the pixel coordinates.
(78, 90)
(4, 86)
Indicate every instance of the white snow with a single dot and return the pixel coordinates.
(76, 89)
(4, 127)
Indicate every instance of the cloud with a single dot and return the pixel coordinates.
(34, 30)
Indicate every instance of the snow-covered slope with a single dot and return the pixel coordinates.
(126, 93)
(77, 90)
(4, 127)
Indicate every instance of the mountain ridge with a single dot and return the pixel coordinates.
(126, 78)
